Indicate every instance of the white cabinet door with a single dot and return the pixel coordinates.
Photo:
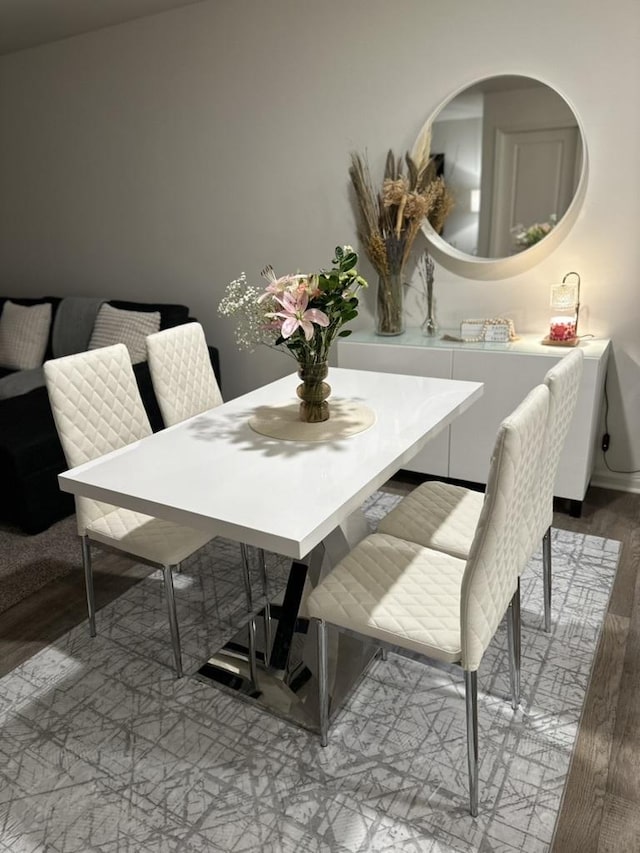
(508, 379)
(412, 361)
(585, 433)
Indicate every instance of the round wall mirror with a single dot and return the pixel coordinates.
(513, 154)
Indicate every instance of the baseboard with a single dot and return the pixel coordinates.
(618, 482)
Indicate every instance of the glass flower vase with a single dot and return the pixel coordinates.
(390, 304)
(429, 326)
(313, 392)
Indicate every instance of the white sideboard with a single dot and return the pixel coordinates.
(508, 371)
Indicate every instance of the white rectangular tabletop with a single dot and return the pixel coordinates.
(213, 472)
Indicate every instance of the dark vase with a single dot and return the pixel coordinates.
(313, 392)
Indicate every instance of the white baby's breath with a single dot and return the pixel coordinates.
(241, 302)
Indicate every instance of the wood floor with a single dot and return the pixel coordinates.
(601, 808)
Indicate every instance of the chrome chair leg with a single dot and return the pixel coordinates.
(323, 683)
(251, 625)
(513, 636)
(246, 576)
(253, 668)
(471, 702)
(546, 576)
(173, 619)
(266, 613)
(88, 582)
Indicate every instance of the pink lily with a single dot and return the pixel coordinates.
(277, 286)
(296, 316)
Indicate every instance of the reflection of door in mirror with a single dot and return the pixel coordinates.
(514, 143)
(529, 165)
(534, 182)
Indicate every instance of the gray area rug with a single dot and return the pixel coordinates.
(102, 749)
(29, 562)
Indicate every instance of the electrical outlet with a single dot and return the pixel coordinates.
(606, 440)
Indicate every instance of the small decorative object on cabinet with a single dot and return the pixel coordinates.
(390, 220)
(425, 270)
(565, 300)
(491, 330)
(301, 315)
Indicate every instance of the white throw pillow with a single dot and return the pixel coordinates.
(24, 332)
(115, 326)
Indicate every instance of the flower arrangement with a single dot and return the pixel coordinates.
(526, 237)
(390, 219)
(301, 313)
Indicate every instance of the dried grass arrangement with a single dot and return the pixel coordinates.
(390, 219)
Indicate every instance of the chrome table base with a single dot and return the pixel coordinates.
(272, 660)
(284, 679)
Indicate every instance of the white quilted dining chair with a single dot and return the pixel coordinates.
(97, 408)
(183, 379)
(185, 385)
(444, 516)
(431, 605)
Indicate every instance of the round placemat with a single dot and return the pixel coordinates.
(346, 418)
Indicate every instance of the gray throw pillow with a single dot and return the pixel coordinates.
(115, 326)
(24, 332)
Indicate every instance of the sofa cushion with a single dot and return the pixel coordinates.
(170, 315)
(114, 325)
(54, 301)
(73, 324)
(24, 334)
(20, 382)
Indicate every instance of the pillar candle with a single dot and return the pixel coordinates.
(562, 328)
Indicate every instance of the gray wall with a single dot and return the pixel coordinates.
(160, 158)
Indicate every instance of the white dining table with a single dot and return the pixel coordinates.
(294, 498)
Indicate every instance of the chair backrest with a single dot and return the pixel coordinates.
(183, 379)
(563, 382)
(497, 555)
(97, 408)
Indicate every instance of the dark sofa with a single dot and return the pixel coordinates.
(31, 456)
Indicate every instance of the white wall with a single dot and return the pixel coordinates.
(158, 159)
(460, 140)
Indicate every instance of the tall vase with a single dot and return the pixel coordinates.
(426, 267)
(313, 392)
(429, 326)
(390, 304)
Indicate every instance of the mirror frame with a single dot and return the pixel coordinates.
(470, 266)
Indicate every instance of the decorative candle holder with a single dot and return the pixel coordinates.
(563, 328)
(565, 300)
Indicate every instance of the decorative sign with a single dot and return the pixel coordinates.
(495, 330)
